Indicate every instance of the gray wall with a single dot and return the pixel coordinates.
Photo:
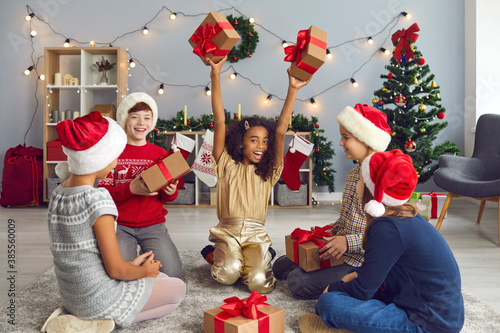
(168, 57)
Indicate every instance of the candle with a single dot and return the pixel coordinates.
(185, 115)
(291, 121)
(57, 79)
(239, 111)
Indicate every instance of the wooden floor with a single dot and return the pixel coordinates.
(475, 246)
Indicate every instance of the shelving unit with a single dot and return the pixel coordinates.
(202, 198)
(78, 62)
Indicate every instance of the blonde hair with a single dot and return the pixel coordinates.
(402, 211)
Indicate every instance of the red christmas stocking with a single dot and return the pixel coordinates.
(299, 150)
(185, 145)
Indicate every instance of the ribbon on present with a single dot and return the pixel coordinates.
(301, 236)
(247, 307)
(163, 168)
(294, 52)
(434, 203)
(203, 37)
(401, 37)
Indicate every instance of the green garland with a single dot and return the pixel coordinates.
(249, 39)
(323, 173)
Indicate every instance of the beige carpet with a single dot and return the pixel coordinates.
(38, 300)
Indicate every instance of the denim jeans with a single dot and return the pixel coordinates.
(153, 238)
(339, 310)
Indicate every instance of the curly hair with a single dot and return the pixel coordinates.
(234, 139)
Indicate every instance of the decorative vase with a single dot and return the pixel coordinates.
(104, 78)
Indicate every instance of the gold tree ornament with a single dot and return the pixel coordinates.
(433, 85)
(421, 107)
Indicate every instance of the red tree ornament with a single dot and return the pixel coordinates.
(156, 130)
(211, 125)
(440, 115)
(400, 100)
(380, 102)
(421, 61)
(389, 75)
(410, 146)
(317, 150)
(317, 126)
(188, 123)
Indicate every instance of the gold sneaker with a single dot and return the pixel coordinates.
(72, 324)
(311, 323)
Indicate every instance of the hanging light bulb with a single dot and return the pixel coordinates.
(354, 83)
(92, 43)
(268, 98)
(329, 55)
(145, 30)
(28, 70)
(284, 43)
(66, 42)
(29, 16)
(41, 77)
(161, 90)
(232, 76)
(33, 33)
(208, 92)
(251, 20)
(313, 102)
(131, 63)
(384, 50)
(370, 40)
(407, 15)
(173, 16)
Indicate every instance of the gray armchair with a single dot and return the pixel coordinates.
(478, 176)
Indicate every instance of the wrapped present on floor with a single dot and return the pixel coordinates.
(214, 38)
(416, 195)
(308, 54)
(302, 247)
(424, 207)
(245, 315)
(437, 203)
(165, 171)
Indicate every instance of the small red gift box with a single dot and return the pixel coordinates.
(55, 151)
(302, 247)
(251, 315)
(165, 171)
(214, 38)
(308, 54)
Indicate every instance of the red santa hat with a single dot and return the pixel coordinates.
(390, 177)
(91, 143)
(367, 124)
(130, 101)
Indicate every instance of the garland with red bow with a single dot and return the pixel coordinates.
(401, 40)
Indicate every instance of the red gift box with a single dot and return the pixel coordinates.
(302, 247)
(214, 38)
(308, 54)
(55, 151)
(251, 315)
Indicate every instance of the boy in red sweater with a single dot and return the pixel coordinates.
(141, 215)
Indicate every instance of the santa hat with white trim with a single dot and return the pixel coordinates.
(130, 101)
(390, 177)
(367, 124)
(91, 143)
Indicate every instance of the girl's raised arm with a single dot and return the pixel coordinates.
(294, 85)
(218, 109)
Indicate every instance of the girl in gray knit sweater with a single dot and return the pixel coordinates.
(94, 281)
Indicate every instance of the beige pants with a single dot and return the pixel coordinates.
(242, 250)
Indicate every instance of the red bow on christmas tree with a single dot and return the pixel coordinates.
(401, 37)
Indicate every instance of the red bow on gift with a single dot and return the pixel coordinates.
(401, 37)
(313, 236)
(293, 51)
(434, 203)
(202, 37)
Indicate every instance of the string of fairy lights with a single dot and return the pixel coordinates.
(233, 72)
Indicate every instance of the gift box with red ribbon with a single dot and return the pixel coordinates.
(214, 38)
(302, 247)
(250, 315)
(308, 54)
(437, 203)
(165, 171)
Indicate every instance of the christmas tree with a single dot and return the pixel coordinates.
(410, 99)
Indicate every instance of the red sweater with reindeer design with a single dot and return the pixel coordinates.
(136, 210)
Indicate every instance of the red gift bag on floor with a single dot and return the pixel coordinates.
(22, 177)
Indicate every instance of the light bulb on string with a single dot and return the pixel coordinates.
(29, 16)
(384, 50)
(131, 63)
(33, 33)
(354, 83)
(232, 76)
(268, 98)
(329, 55)
(369, 40)
(28, 70)
(145, 30)
(208, 92)
(161, 90)
(41, 77)
(407, 15)
(92, 43)
(173, 16)
(251, 20)
(313, 102)
(284, 43)
(66, 42)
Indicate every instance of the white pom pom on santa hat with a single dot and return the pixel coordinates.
(375, 208)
